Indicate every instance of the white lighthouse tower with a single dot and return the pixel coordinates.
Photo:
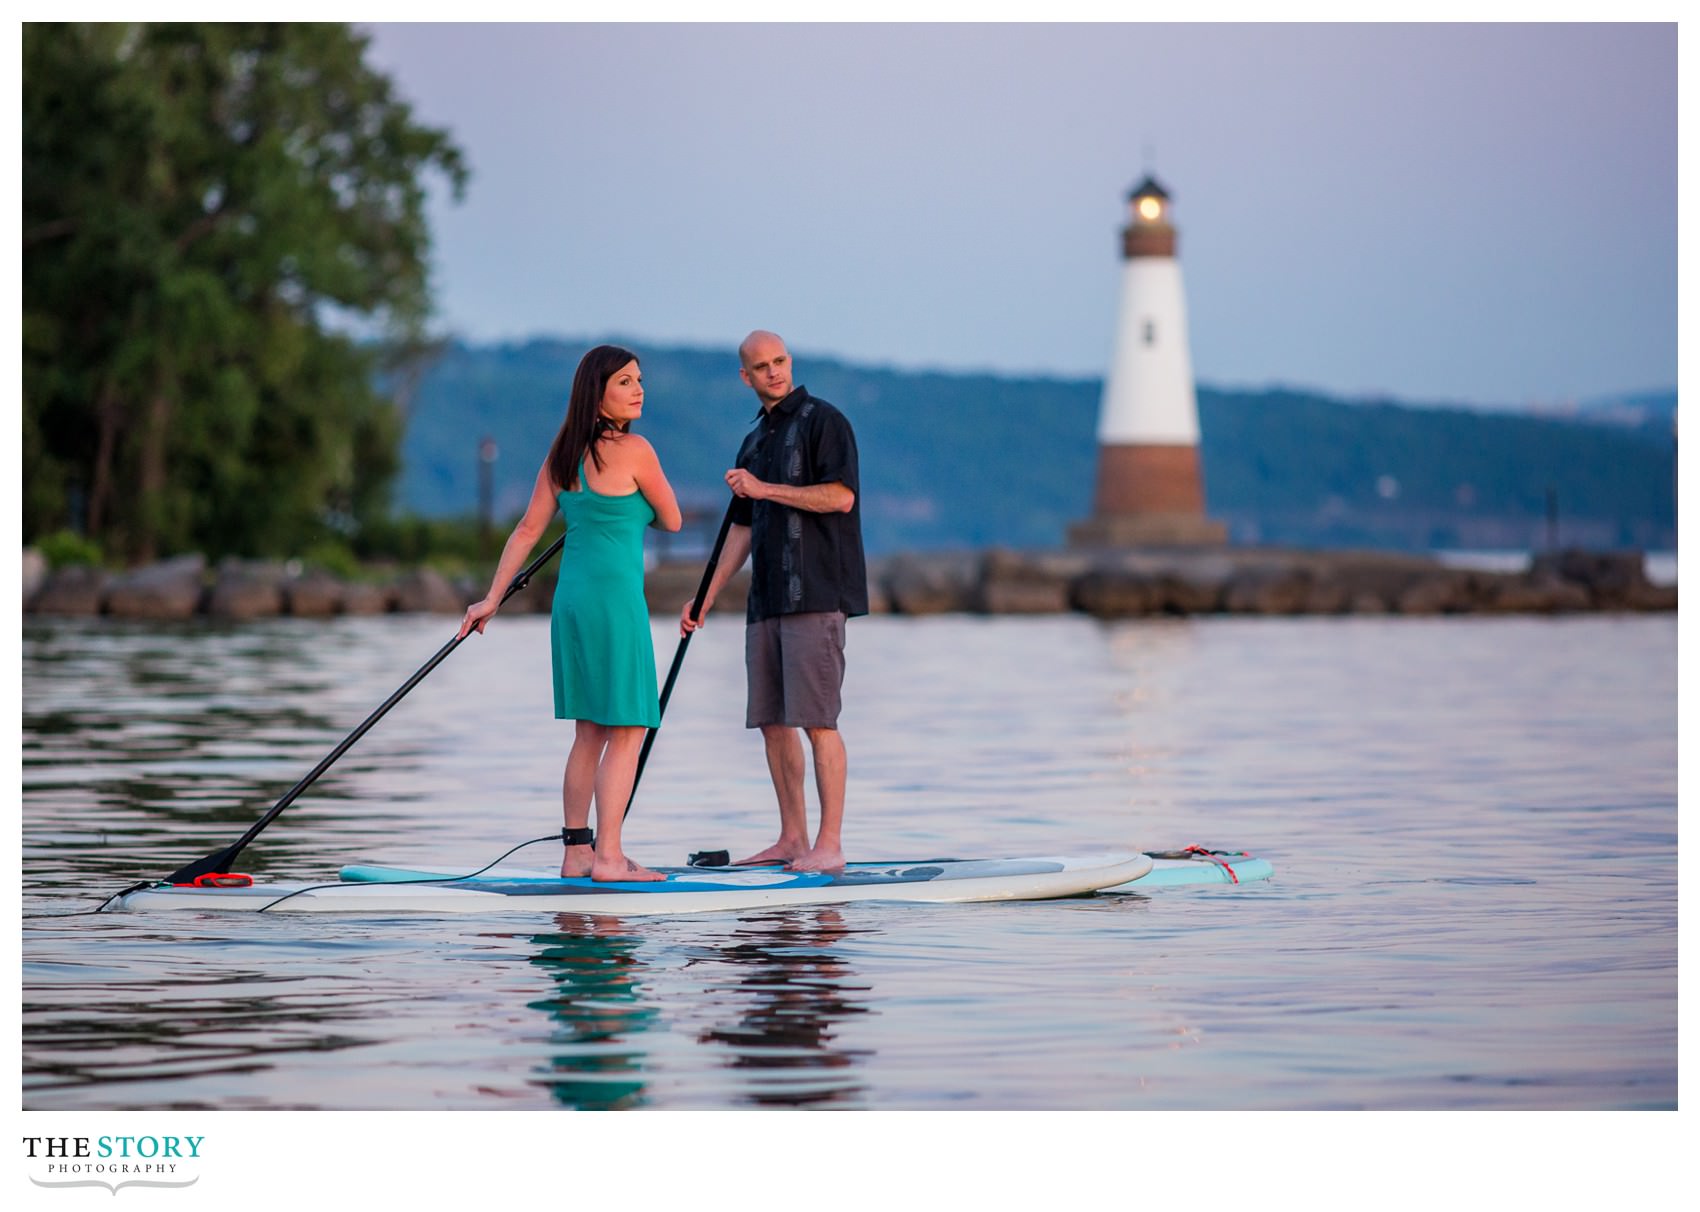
(1149, 490)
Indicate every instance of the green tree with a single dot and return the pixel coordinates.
(224, 238)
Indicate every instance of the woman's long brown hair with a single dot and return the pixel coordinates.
(584, 426)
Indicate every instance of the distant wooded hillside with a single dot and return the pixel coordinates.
(970, 460)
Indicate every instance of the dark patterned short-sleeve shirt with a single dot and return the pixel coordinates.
(802, 561)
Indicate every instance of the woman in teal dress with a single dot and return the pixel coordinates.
(608, 485)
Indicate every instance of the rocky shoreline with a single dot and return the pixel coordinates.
(1105, 584)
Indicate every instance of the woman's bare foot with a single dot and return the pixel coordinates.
(577, 862)
(621, 870)
(580, 859)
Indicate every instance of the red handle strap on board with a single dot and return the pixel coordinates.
(219, 879)
(1214, 857)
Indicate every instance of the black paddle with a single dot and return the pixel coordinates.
(684, 643)
(220, 862)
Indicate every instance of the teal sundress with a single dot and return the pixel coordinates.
(604, 657)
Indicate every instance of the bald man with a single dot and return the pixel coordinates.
(797, 517)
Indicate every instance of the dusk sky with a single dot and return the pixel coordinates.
(1438, 213)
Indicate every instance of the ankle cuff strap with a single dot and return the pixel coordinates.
(578, 837)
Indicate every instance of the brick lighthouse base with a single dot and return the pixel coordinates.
(1148, 495)
(1148, 530)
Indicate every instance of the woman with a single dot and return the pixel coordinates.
(608, 485)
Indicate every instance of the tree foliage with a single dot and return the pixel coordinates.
(223, 233)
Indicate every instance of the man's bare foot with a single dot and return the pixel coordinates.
(577, 862)
(621, 870)
(779, 852)
(821, 858)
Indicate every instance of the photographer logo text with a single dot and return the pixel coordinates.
(113, 1162)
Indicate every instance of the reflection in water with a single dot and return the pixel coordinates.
(774, 986)
(213, 1040)
(598, 1007)
(800, 991)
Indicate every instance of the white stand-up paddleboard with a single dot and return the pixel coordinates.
(1192, 867)
(374, 890)
(1169, 869)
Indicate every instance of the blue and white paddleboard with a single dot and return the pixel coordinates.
(1168, 870)
(375, 890)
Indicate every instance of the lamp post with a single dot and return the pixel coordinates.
(486, 476)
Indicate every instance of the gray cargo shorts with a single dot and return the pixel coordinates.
(795, 664)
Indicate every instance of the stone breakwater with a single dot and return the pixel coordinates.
(1104, 584)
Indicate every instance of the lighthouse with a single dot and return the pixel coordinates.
(1149, 490)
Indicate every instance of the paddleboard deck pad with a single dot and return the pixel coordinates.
(375, 890)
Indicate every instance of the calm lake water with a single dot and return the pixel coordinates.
(1473, 824)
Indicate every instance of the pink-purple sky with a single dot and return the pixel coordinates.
(1473, 213)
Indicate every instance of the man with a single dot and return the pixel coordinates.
(797, 517)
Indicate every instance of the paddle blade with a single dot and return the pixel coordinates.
(213, 863)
